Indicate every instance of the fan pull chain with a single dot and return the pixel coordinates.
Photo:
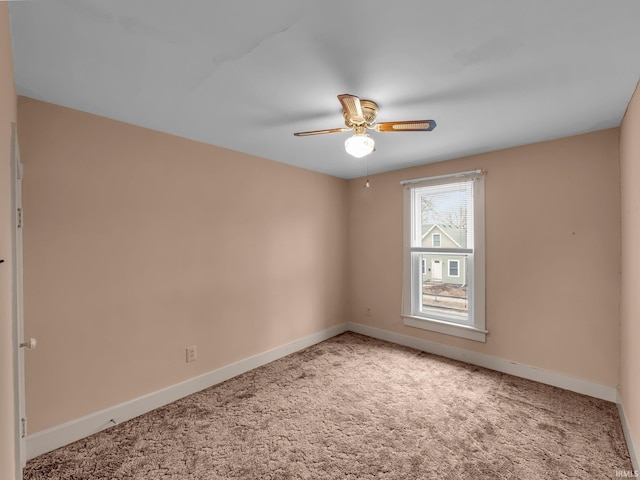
(366, 162)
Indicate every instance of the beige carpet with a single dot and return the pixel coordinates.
(358, 408)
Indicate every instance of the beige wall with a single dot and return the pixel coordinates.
(139, 244)
(630, 299)
(552, 254)
(7, 115)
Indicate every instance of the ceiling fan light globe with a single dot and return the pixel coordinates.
(359, 145)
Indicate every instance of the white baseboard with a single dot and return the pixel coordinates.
(633, 452)
(586, 387)
(60, 435)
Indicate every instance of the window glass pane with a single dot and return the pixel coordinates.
(445, 215)
(444, 295)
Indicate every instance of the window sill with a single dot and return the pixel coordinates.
(463, 331)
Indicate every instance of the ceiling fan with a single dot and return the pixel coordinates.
(360, 115)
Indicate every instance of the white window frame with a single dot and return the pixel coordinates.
(412, 317)
(449, 262)
(433, 240)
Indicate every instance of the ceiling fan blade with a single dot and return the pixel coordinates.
(351, 106)
(406, 126)
(320, 132)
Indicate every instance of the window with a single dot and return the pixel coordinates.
(454, 268)
(449, 296)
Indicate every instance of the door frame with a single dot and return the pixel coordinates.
(17, 305)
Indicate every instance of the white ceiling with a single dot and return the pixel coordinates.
(246, 74)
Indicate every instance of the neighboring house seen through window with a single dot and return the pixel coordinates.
(444, 255)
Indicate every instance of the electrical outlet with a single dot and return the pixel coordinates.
(192, 353)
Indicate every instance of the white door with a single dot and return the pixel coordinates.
(436, 270)
(18, 318)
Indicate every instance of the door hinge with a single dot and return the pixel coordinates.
(23, 424)
(19, 218)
